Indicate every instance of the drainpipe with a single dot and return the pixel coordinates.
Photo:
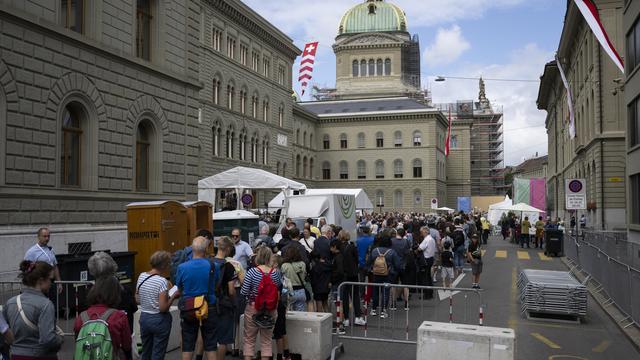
(601, 140)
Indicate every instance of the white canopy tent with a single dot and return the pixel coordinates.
(362, 199)
(241, 178)
(496, 210)
(444, 208)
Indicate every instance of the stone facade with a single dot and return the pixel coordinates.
(597, 152)
(631, 95)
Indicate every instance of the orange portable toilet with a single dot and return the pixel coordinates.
(200, 215)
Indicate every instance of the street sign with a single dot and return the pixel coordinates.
(434, 203)
(247, 199)
(575, 194)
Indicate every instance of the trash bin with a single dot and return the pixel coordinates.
(553, 242)
(73, 267)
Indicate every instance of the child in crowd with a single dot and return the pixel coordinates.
(447, 264)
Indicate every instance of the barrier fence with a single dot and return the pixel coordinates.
(69, 301)
(607, 260)
(399, 324)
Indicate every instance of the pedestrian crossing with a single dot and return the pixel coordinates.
(519, 254)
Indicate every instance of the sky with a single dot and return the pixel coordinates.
(495, 39)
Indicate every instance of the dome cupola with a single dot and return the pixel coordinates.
(373, 16)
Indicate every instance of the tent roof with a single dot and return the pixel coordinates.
(503, 205)
(248, 178)
(444, 208)
(362, 199)
(234, 214)
(524, 207)
(307, 206)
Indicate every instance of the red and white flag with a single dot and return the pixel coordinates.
(306, 65)
(592, 17)
(447, 143)
(572, 118)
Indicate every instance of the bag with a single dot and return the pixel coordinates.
(94, 339)
(307, 288)
(267, 297)
(458, 238)
(380, 266)
(196, 308)
(224, 303)
(179, 257)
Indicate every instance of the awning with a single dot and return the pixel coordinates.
(362, 199)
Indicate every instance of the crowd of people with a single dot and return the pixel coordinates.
(215, 282)
(525, 232)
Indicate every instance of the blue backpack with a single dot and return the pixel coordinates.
(179, 257)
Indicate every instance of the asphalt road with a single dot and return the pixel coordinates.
(596, 337)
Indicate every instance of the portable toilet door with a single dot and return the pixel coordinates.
(200, 215)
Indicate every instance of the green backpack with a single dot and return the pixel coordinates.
(94, 339)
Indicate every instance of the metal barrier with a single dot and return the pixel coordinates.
(400, 324)
(69, 301)
(607, 260)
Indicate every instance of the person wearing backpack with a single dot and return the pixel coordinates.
(31, 315)
(196, 280)
(152, 294)
(225, 296)
(402, 246)
(260, 288)
(102, 328)
(459, 248)
(385, 264)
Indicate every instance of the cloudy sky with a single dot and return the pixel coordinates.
(501, 39)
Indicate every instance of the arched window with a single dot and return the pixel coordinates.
(372, 67)
(397, 199)
(398, 171)
(265, 110)
(304, 138)
(144, 135)
(216, 91)
(310, 168)
(230, 96)
(311, 144)
(281, 116)
(325, 142)
(417, 168)
(361, 140)
(265, 151)
(254, 148)
(417, 198)
(254, 106)
(417, 138)
(379, 169)
(354, 68)
(298, 165)
(243, 102)
(362, 169)
(326, 170)
(230, 140)
(379, 139)
(343, 141)
(379, 198)
(397, 139)
(304, 167)
(363, 68)
(387, 67)
(242, 141)
(379, 67)
(284, 169)
(298, 137)
(344, 170)
(73, 119)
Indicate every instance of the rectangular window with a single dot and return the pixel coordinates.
(143, 29)
(244, 54)
(325, 144)
(326, 174)
(71, 156)
(266, 64)
(281, 117)
(343, 143)
(231, 47)
(417, 172)
(281, 75)
(216, 39)
(380, 143)
(634, 182)
(454, 142)
(633, 47)
(633, 114)
(72, 15)
(142, 166)
(255, 61)
(344, 176)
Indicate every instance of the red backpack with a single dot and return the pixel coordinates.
(267, 297)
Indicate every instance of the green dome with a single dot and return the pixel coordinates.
(372, 16)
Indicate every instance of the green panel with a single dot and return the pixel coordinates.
(387, 17)
(521, 191)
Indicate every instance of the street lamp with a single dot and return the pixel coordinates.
(440, 79)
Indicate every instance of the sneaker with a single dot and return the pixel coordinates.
(373, 312)
(359, 321)
(340, 331)
(393, 307)
(406, 306)
(345, 323)
(384, 315)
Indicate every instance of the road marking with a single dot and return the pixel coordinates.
(546, 341)
(543, 256)
(444, 294)
(565, 357)
(523, 255)
(602, 347)
(502, 254)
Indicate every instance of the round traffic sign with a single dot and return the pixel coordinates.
(247, 199)
(575, 186)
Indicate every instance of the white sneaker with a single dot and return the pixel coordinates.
(373, 312)
(384, 315)
(359, 321)
(345, 323)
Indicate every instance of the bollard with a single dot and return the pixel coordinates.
(338, 313)
(481, 315)
(450, 307)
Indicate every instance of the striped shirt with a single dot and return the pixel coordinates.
(150, 291)
(252, 281)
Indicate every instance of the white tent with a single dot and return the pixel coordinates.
(362, 199)
(449, 210)
(522, 207)
(240, 178)
(496, 210)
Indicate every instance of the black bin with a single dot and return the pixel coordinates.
(553, 242)
(73, 267)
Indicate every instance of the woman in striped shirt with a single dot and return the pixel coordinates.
(250, 291)
(153, 297)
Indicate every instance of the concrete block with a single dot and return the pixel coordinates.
(174, 338)
(458, 341)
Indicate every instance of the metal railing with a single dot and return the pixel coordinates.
(400, 323)
(606, 260)
(68, 301)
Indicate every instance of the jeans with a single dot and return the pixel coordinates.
(524, 239)
(298, 300)
(428, 294)
(154, 332)
(380, 290)
(347, 291)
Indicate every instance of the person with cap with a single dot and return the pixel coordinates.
(474, 256)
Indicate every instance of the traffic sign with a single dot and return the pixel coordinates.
(247, 199)
(575, 194)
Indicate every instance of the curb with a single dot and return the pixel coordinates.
(631, 332)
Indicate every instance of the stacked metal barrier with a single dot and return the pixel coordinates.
(551, 292)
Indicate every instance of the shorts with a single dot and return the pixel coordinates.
(437, 259)
(224, 329)
(458, 259)
(476, 267)
(447, 272)
(208, 330)
(320, 297)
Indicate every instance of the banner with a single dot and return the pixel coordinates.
(538, 193)
(521, 191)
(464, 204)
